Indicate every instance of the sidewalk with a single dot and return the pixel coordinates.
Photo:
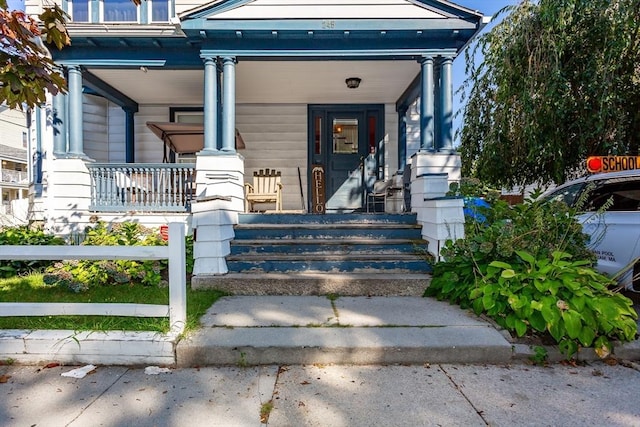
(266, 330)
(324, 395)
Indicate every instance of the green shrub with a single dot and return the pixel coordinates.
(77, 275)
(528, 267)
(25, 235)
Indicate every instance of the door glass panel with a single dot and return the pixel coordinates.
(317, 142)
(345, 136)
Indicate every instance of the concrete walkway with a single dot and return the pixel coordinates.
(262, 330)
(292, 330)
(323, 395)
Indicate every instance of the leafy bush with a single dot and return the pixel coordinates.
(25, 235)
(77, 275)
(528, 268)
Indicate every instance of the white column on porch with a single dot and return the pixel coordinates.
(75, 112)
(210, 106)
(59, 125)
(229, 104)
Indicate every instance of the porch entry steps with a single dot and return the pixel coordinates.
(347, 254)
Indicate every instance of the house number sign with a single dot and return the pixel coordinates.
(317, 190)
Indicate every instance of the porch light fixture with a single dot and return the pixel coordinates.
(353, 82)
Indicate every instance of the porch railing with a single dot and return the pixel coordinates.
(151, 187)
(9, 175)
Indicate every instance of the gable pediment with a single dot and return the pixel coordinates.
(245, 10)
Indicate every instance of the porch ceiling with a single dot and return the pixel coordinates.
(314, 82)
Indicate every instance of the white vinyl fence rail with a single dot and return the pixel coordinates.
(175, 252)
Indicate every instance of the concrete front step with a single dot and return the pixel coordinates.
(315, 283)
(346, 330)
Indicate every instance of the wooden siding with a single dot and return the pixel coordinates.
(276, 138)
(95, 127)
(12, 125)
(117, 142)
(148, 147)
(325, 9)
(390, 140)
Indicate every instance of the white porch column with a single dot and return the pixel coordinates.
(75, 112)
(210, 106)
(229, 104)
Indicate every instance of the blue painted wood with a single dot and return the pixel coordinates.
(334, 232)
(334, 266)
(336, 243)
(351, 218)
(350, 247)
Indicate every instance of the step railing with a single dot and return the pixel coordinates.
(150, 187)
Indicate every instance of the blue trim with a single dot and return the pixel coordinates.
(109, 92)
(293, 54)
(129, 135)
(402, 139)
(410, 94)
(37, 167)
(119, 63)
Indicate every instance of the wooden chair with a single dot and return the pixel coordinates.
(266, 188)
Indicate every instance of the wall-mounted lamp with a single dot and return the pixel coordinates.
(353, 82)
(144, 69)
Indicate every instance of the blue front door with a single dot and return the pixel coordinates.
(344, 140)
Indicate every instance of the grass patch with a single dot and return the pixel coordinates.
(31, 288)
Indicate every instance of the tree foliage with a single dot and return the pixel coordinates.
(560, 81)
(27, 71)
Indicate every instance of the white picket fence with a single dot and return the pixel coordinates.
(175, 252)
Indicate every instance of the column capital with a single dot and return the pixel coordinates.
(426, 59)
(229, 59)
(446, 60)
(209, 59)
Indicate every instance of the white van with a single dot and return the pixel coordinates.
(615, 235)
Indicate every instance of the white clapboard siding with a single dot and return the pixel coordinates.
(148, 147)
(95, 126)
(12, 125)
(117, 142)
(174, 252)
(275, 136)
(391, 140)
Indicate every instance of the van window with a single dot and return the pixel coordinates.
(566, 194)
(624, 196)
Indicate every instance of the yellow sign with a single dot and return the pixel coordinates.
(597, 164)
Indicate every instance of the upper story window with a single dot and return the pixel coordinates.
(119, 11)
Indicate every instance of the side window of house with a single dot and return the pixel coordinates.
(623, 194)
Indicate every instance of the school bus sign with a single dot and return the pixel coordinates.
(597, 164)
